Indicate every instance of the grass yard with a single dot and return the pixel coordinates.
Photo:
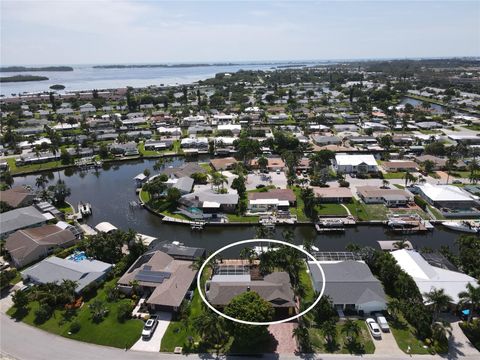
(299, 209)
(331, 209)
(109, 332)
(394, 175)
(242, 219)
(306, 281)
(404, 335)
(436, 213)
(364, 343)
(398, 186)
(420, 212)
(358, 210)
(366, 212)
(33, 167)
(65, 208)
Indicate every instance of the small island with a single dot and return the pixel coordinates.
(159, 66)
(57, 87)
(44, 68)
(20, 78)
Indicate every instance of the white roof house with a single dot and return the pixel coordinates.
(428, 277)
(442, 193)
(347, 163)
(355, 160)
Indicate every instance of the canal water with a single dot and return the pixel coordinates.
(438, 109)
(111, 190)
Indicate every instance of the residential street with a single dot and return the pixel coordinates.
(23, 342)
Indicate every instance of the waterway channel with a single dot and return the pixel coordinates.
(111, 190)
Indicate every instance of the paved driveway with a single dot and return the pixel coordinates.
(387, 345)
(283, 333)
(458, 344)
(153, 344)
(272, 178)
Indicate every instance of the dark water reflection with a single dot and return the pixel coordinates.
(111, 190)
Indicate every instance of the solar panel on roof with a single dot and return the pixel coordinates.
(152, 276)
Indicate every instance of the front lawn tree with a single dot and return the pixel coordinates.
(249, 306)
(470, 298)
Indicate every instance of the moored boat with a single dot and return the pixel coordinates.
(463, 226)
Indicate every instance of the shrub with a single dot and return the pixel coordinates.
(124, 312)
(43, 313)
(344, 183)
(75, 327)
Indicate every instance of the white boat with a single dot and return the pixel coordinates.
(335, 223)
(463, 226)
(85, 209)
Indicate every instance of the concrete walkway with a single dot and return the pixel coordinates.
(387, 345)
(459, 346)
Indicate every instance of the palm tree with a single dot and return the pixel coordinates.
(449, 165)
(247, 253)
(409, 178)
(394, 307)
(437, 300)
(400, 244)
(211, 328)
(329, 330)
(303, 338)
(470, 298)
(440, 331)
(41, 181)
(351, 329)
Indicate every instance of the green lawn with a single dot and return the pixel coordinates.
(33, 167)
(398, 186)
(394, 175)
(366, 212)
(109, 332)
(331, 209)
(65, 208)
(404, 335)
(306, 281)
(299, 209)
(437, 213)
(242, 219)
(365, 343)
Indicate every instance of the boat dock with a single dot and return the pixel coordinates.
(321, 229)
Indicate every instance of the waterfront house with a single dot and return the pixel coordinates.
(389, 197)
(21, 218)
(429, 277)
(209, 202)
(29, 245)
(17, 196)
(127, 149)
(274, 288)
(271, 201)
(54, 270)
(350, 285)
(220, 164)
(356, 164)
(322, 140)
(163, 280)
(452, 201)
(332, 195)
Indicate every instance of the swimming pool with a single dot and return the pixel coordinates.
(77, 256)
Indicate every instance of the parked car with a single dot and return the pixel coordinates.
(456, 182)
(149, 327)
(278, 171)
(374, 328)
(4, 265)
(382, 322)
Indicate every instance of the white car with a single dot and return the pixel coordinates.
(374, 328)
(149, 327)
(382, 322)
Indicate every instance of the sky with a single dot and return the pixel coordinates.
(135, 31)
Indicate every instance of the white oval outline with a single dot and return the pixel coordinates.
(200, 290)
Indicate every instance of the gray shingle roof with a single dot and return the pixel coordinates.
(55, 269)
(348, 282)
(19, 219)
(274, 288)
